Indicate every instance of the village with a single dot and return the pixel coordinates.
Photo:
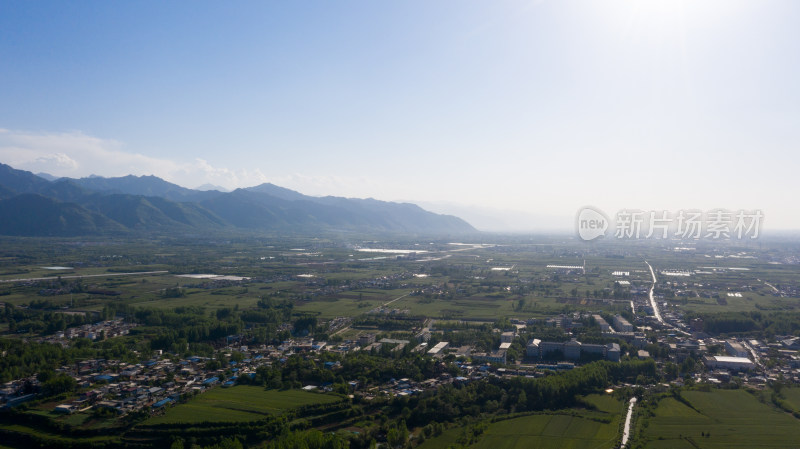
(165, 379)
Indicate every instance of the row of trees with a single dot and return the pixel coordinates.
(522, 394)
(40, 319)
(23, 360)
(756, 323)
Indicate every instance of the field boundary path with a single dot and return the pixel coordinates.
(626, 431)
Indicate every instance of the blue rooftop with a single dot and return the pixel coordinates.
(162, 403)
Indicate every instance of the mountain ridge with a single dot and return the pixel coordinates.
(99, 205)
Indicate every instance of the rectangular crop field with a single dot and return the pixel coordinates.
(550, 431)
(241, 403)
(720, 419)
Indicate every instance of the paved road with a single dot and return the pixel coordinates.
(81, 276)
(395, 299)
(652, 299)
(626, 431)
(654, 304)
(754, 353)
(771, 286)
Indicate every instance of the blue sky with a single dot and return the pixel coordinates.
(521, 111)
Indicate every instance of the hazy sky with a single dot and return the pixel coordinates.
(537, 107)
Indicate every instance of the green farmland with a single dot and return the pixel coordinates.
(549, 431)
(718, 419)
(585, 429)
(238, 404)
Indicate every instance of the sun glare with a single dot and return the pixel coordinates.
(665, 13)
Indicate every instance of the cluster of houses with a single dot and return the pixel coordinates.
(96, 331)
(162, 380)
(498, 355)
(468, 372)
(124, 388)
(741, 357)
(18, 391)
(157, 382)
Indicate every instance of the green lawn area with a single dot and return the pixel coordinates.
(349, 304)
(549, 431)
(241, 403)
(792, 397)
(607, 403)
(470, 307)
(733, 418)
(447, 438)
(198, 298)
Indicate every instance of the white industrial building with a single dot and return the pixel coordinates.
(439, 348)
(728, 362)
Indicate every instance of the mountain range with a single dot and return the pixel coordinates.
(42, 205)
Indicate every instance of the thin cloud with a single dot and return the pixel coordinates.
(55, 162)
(223, 176)
(76, 154)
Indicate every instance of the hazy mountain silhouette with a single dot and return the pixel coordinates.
(34, 205)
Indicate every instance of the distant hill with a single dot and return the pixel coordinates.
(97, 205)
(143, 213)
(19, 180)
(47, 176)
(278, 192)
(206, 187)
(35, 215)
(143, 185)
(5, 192)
